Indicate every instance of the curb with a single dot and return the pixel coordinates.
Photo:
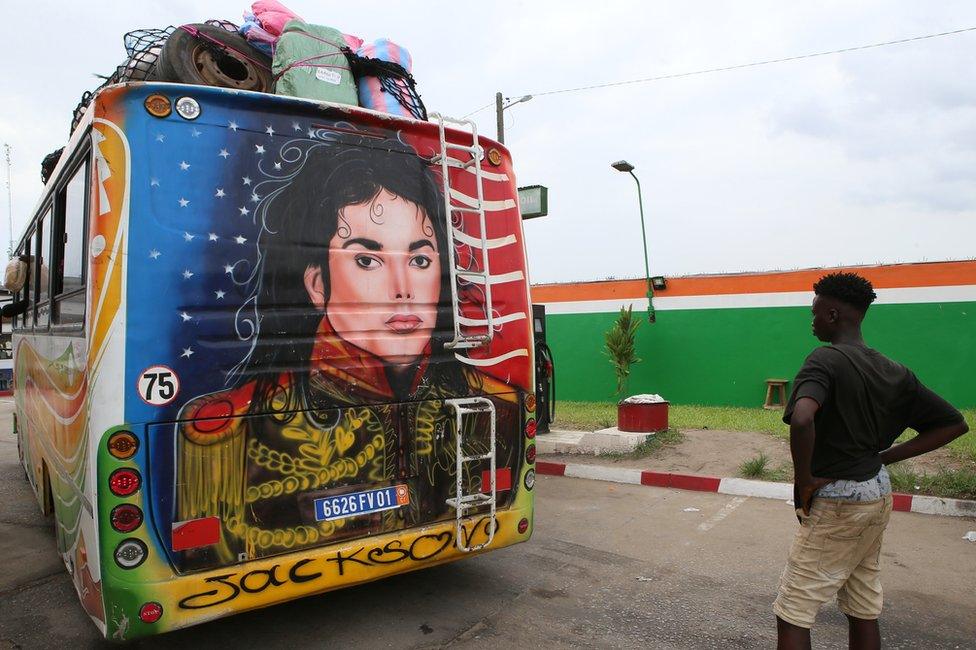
(740, 487)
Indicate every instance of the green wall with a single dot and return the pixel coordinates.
(724, 356)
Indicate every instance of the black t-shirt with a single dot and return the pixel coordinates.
(866, 402)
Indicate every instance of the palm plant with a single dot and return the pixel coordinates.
(620, 346)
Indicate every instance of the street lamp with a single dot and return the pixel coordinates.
(624, 166)
(500, 106)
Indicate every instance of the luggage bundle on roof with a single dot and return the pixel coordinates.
(274, 51)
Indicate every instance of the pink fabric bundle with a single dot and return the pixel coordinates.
(273, 15)
(371, 93)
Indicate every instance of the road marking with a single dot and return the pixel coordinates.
(721, 514)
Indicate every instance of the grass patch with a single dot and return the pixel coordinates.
(649, 446)
(947, 483)
(758, 467)
(590, 416)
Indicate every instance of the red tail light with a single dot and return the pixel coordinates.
(150, 612)
(530, 428)
(523, 525)
(123, 482)
(126, 517)
(530, 454)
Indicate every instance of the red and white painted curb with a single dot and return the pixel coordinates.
(740, 487)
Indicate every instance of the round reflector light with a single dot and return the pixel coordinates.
(123, 482)
(126, 517)
(530, 454)
(158, 105)
(530, 402)
(530, 428)
(150, 612)
(530, 479)
(523, 525)
(188, 108)
(123, 445)
(130, 553)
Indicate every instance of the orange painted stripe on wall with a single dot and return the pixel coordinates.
(931, 274)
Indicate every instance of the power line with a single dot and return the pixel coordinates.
(740, 66)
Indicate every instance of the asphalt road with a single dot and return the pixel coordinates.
(612, 566)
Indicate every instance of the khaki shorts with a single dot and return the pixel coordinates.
(836, 551)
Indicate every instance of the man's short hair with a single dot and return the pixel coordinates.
(849, 288)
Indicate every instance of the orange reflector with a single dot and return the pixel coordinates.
(158, 105)
(530, 402)
(123, 445)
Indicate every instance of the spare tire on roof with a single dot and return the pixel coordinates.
(208, 55)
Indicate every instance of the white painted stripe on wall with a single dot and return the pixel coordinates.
(764, 489)
(947, 507)
(601, 473)
(905, 295)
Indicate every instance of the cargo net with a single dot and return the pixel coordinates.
(142, 47)
(393, 78)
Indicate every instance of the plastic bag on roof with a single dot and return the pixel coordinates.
(272, 16)
(256, 35)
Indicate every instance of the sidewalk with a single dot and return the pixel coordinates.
(577, 454)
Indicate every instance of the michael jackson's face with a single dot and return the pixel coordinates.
(384, 278)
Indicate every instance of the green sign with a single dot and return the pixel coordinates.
(533, 201)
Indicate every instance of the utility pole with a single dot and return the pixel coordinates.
(499, 118)
(10, 208)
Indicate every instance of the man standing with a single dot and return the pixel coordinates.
(848, 406)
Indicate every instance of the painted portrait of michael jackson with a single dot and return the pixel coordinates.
(342, 384)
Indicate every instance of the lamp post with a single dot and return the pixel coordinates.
(500, 106)
(624, 166)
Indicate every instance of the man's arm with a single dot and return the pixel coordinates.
(924, 442)
(802, 435)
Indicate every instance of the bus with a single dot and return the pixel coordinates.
(273, 347)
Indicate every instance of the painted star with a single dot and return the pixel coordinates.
(213, 236)
(220, 294)
(187, 352)
(188, 237)
(246, 180)
(154, 253)
(183, 202)
(228, 269)
(232, 125)
(296, 126)
(258, 148)
(254, 197)
(187, 274)
(269, 130)
(153, 182)
(185, 316)
(311, 133)
(223, 153)
(277, 166)
(196, 132)
(160, 137)
(244, 211)
(184, 165)
(240, 239)
(220, 193)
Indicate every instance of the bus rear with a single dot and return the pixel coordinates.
(321, 344)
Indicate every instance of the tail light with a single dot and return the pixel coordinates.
(530, 402)
(530, 428)
(130, 553)
(124, 482)
(530, 454)
(126, 517)
(523, 525)
(123, 445)
(530, 479)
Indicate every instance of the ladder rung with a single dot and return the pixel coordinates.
(471, 274)
(463, 147)
(474, 409)
(470, 501)
(465, 209)
(468, 459)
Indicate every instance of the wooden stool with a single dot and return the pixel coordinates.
(775, 385)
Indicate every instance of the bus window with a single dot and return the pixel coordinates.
(26, 320)
(42, 272)
(69, 281)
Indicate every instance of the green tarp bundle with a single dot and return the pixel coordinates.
(308, 62)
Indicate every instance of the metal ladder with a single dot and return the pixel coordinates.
(464, 502)
(461, 340)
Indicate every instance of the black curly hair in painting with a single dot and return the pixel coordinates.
(300, 217)
(849, 288)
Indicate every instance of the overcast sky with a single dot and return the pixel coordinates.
(852, 158)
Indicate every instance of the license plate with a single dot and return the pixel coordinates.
(361, 503)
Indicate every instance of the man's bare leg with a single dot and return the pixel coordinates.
(863, 634)
(791, 637)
